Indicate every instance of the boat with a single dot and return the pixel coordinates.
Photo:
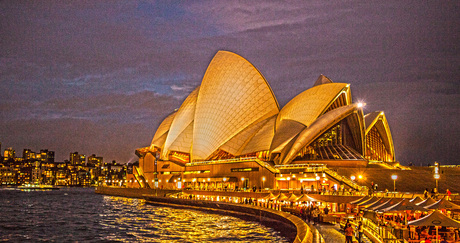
(37, 187)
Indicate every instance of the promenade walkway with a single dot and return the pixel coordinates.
(330, 233)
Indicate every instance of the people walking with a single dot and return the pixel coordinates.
(315, 215)
(349, 233)
(360, 231)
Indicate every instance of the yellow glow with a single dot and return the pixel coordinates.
(263, 178)
(360, 177)
(352, 177)
(394, 177)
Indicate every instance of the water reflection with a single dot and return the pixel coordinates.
(144, 222)
(78, 214)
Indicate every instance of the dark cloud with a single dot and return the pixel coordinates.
(115, 70)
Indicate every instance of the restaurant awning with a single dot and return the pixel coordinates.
(404, 205)
(306, 198)
(363, 199)
(426, 202)
(416, 200)
(292, 198)
(369, 204)
(270, 196)
(435, 219)
(387, 204)
(443, 204)
(281, 197)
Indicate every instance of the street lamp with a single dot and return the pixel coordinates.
(437, 177)
(353, 177)
(263, 182)
(394, 177)
(436, 174)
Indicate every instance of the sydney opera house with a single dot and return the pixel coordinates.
(230, 133)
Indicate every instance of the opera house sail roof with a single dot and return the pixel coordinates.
(234, 114)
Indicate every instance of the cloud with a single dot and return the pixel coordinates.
(132, 63)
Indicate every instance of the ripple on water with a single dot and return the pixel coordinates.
(78, 214)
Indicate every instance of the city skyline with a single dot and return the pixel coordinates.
(99, 78)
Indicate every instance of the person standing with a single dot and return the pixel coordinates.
(360, 231)
(315, 215)
(349, 233)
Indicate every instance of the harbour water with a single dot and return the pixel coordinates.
(78, 214)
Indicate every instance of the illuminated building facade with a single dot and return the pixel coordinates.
(77, 159)
(230, 132)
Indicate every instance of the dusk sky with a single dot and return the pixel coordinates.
(98, 77)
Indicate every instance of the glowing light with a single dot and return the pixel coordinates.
(361, 104)
(242, 178)
(263, 178)
(437, 176)
(360, 177)
(317, 178)
(352, 177)
(394, 177)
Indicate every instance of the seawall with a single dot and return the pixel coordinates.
(289, 225)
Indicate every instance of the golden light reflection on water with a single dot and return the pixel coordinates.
(134, 220)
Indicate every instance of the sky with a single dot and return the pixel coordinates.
(98, 77)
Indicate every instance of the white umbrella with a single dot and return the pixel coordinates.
(443, 204)
(436, 219)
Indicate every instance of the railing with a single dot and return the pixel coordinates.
(309, 167)
(139, 178)
(236, 160)
(345, 180)
(381, 234)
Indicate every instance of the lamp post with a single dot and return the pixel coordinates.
(436, 174)
(263, 182)
(394, 177)
(437, 177)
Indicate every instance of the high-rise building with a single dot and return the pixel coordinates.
(93, 160)
(46, 156)
(9, 153)
(77, 159)
(28, 154)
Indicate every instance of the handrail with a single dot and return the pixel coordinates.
(139, 177)
(235, 160)
(345, 179)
